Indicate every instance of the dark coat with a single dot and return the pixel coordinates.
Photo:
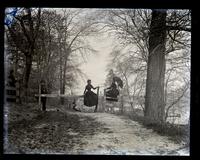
(90, 98)
(112, 91)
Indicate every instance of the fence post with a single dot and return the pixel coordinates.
(17, 92)
(39, 98)
(104, 99)
(122, 104)
(97, 99)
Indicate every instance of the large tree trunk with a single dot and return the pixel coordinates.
(154, 100)
(18, 100)
(28, 63)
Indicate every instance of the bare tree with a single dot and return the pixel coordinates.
(132, 28)
(180, 94)
(24, 32)
(71, 28)
(154, 100)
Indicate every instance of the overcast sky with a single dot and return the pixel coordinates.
(95, 67)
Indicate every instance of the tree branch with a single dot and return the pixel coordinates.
(176, 101)
(14, 39)
(24, 29)
(179, 28)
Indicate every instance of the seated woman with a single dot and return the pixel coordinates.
(90, 98)
(112, 91)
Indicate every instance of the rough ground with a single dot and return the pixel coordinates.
(68, 132)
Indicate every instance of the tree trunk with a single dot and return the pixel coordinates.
(154, 100)
(18, 100)
(63, 82)
(128, 92)
(27, 73)
(61, 85)
(63, 74)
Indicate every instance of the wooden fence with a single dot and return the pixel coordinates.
(103, 104)
(12, 94)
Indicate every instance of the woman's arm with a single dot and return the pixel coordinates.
(84, 91)
(111, 86)
(108, 88)
(97, 87)
(93, 87)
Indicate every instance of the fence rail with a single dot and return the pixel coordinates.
(10, 94)
(58, 95)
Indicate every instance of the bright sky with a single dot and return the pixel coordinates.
(95, 68)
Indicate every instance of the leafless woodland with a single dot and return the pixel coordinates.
(151, 55)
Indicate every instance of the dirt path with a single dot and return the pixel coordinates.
(126, 137)
(67, 132)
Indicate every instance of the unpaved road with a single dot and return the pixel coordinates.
(67, 132)
(126, 137)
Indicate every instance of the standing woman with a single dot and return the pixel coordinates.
(90, 98)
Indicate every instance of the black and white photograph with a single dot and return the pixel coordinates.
(97, 81)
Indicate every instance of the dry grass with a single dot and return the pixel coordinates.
(177, 133)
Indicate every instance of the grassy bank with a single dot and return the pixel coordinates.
(176, 132)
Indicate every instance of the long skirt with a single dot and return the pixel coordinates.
(90, 99)
(112, 93)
